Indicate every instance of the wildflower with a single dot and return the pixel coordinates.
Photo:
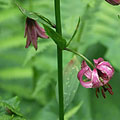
(113, 2)
(98, 77)
(33, 31)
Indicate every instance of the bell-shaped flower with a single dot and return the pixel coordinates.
(113, 2)
(98, 77)
(33, 31)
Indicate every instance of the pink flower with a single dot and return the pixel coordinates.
(98, 77)
(113, 2)
(33, 31)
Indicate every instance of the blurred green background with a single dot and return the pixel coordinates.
(20, 68)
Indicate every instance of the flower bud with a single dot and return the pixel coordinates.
(113, 2)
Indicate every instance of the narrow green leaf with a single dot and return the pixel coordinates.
(61, 42)
(74, 32)
(27, 13)
(45, 19)
(35, 16)
(74, 110)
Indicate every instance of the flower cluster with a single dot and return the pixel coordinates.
(98, 77)
(113, 2)
(33, 31)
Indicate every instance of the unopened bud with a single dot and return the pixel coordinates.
(113, 2)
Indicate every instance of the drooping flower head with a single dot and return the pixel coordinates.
(98, 77)
(33, 31)
(113, 2)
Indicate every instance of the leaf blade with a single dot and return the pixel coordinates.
(57, 38)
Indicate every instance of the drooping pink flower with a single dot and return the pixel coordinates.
(33, 31)
(113, 2)
(98, 77)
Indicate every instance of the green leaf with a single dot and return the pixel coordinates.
(35, 16)
(61, 42)
(11, 105)
(71, 112)
(70, 81)
(74, 32)
(45, 19)
(27, 13)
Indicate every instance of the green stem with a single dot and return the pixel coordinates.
(82, 56)
(59, 60)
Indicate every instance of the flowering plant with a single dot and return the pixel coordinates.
(99, 77)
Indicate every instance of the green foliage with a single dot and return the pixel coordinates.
(35, 16)
(70, 81)
(32, 53)
(97, 36)
(74, 110)
(12, 109)
(61, 42)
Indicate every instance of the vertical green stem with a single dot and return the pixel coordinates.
(59, 60)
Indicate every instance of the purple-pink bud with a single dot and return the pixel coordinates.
(33, 31)
(113, 2)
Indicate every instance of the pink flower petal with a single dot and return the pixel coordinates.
(83, 83)
(31, 37)
(40, 31)
(95, 79)
(34, 37)
(88, 71)
(28, 42)
(97, 61)
(106, 68)
(25, 30)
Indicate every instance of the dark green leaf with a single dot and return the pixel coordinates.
(27, 13)
(35, 16)
(41, 17)
(61, 42)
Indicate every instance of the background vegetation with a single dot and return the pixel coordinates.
(32, 76)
